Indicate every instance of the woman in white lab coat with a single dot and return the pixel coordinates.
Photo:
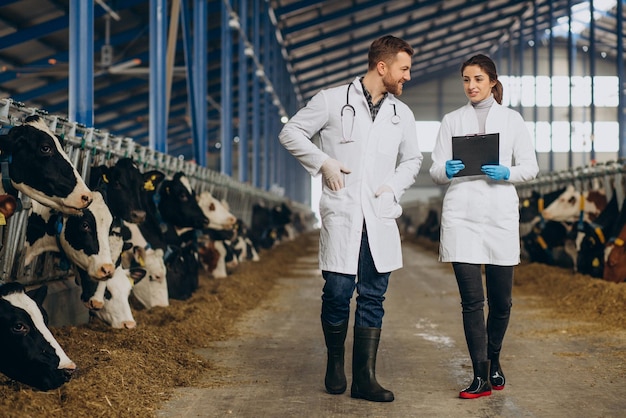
(480, 216)
(368, 156)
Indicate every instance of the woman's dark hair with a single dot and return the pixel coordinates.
(488, 66)
(385, 49)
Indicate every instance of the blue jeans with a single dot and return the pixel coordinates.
(371, 288)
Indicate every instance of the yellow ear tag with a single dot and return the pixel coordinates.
(148, 186)
(3, 219)
(619, 242)
(104, 177)
(132, 282)
(141, 261)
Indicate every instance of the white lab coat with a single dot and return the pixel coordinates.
(480, 217)
(382, 153)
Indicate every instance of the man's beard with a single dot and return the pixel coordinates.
(392, 86)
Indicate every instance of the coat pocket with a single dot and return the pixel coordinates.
(387, 207)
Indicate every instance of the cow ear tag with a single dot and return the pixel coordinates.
(3, 219)
(148, 185)
(105, 179)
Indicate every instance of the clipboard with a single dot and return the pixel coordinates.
(476, 151)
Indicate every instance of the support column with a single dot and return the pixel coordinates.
(158, 43)
(80, 104)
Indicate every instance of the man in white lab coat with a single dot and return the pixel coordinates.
(368, 156)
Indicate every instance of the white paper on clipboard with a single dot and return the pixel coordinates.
(475, 151)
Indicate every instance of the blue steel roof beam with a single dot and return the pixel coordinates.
(136, 99)
(420, 52)
(118, 39)
(376, 22)
(412, 38)
(53, 25)
(338, 47)
(139, 128)
(346, 12)
(297, 6)
(424, 70)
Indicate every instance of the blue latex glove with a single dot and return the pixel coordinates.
(453, 167)
(496, 172)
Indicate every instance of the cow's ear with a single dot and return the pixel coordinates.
(39, 294)
(98, 177)
(152, 179)
(9, 141)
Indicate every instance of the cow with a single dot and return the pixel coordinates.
(114, 293)
(430, 227)
(568, 207)
(242, 244)
(29, 353)
(83, 239)
(121, 185)
(614, 251)
(152, 291)
(268, 224)
(216, 212)
(216, 252)
(592, 238)
(615, 259)
(172, 218)
(36, 164)
(546, 243)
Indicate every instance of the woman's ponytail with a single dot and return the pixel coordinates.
(497, 91)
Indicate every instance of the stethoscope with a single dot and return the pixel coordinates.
(347, 124)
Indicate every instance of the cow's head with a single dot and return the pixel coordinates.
(178, 205)
(152, 290)
(182, 273)
(218, 215)
(116, 310)
(86, 242)
(40, 168)
(122, 185)
(28, 351)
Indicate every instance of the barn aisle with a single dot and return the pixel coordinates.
(275, 368)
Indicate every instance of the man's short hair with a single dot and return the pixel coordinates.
(385, 49)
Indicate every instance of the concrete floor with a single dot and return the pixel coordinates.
(275, 368)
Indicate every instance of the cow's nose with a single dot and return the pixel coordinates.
(137, 216)
(68, 373)
(129, 324)
(106, 271)
(86, 198)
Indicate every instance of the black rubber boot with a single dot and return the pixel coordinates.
(364, 384)
(480, 385)
(335, 336)
(496, 377)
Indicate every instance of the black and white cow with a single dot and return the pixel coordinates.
(152, 291)
(29, 353)
(172, 218)
(93, 242)
(38, 166)
(122, 186)
(268, 225)
(83, 239)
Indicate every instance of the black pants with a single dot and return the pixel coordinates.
(484, 340)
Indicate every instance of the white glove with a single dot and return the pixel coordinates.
(332, 174)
